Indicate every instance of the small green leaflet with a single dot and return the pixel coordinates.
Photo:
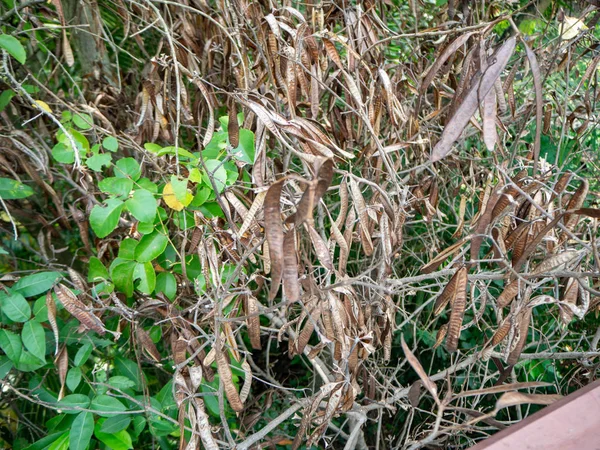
(12, 189)
(34, 339)
(15, 306)
(81, 431)
(36, 284)
(13, 47)
(105, 219)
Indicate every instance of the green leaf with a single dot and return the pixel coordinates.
(83, 354)
(167, 284)
(105, 220)
(15, 306)
(82, 142)
(105, 406)
(129, 369)
(5, 98)
(115, 441)
(83, 121)
(5, 365)
(96, 162)
(40, 310)
(147, 276)
(122, 277)
(195, 176)
(115, 424)
(183, 153)
(29, 363)
(96, 270)
(127, 249)
(62, 443)
(73, 378)
(63, 153)
(216, 171)
(128, 168)
(43, 443)
(12, 189)
(34, 339)
(11, 345)
(13, 47)
(116, 186)
(150, 247)
(245, 151)
(110, 143)
(81, 431)
(152, 147)
(179, 188)
(71, 404)
(121, 382)
(210, 398)
(142, 205)
(36, 284)
(145, 183)
(139, 423)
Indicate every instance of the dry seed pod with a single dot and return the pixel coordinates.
(275, 237)
(245, 391)
(226, 377)
(146, 343)
(414, 393)
(521, 337)
(252, 321)
(576, 202)
(78, 309)
(51, 307)
(501, 332)
(458, 311)
(440, 336)
(449, 292)
(62, 364)
(508, 294)
(570, 296)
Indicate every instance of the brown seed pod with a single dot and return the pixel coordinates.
(458, 311)
(78, 309)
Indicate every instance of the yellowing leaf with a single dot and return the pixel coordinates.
(571, 27)
(42, 105)
(172, 202)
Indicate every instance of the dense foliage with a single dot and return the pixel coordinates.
(294, 224)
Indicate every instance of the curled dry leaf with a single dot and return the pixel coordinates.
(274, 233)
(78, 309)
(291, 285)
(416, 365)
(504, 388)
(204, 428)
(245, 391)
(518, 398)
(481, 85)
(539, 107)
(490, 135)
